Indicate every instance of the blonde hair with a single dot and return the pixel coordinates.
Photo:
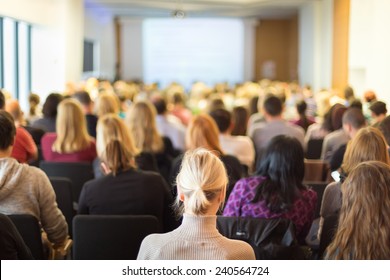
(141, 120)
(201, 179)
(117, 157)
(368, 144)
(71, 128)
(203, 132)
(110, 127)
(363, 232)
(106, 103)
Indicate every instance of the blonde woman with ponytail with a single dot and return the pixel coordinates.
(201, 187)
(124, 189)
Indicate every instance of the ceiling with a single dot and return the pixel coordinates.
(262, 9)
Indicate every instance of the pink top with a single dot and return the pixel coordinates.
(24, 147)
(88, 154)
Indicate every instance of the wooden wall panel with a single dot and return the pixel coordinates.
(340, 43)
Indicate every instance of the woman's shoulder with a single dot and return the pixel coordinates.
(238, 250)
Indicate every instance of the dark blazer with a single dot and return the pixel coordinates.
(131, 192)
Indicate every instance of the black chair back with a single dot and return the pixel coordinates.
(269, 238)
(63, 189)
(115, 237)
(77, 172)
(29, 229)
(314, 148)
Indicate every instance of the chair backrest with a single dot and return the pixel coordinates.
(328, 232)
(319, 188)
(63, 189)
(314, 148)
(316, 170)
(77, 172)
(115, 237)
(269, 238)
(29, 229)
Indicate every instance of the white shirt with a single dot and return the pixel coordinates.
(171, 127)
(239, 146)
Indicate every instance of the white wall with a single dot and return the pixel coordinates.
(100, 28)
(315, 29)
(57, 40)
(369, 45)
(132, 63)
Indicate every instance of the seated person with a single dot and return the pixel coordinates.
(49, 111)
(27, 190)
(201, 187)
(71, 143)
(125, 190)
(363, 231)
(276, 190)
(87, 104)
(24, 149)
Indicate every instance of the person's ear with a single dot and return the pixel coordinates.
(180, 195)
(105, 168)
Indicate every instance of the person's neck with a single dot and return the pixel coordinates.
(269, 118)
(5, 153)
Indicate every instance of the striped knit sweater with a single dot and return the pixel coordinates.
(196, 239)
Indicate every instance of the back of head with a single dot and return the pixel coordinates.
(273, 105)
(2, 100)
(201, 180)
(378, 108)
(337, 116)
(160, 104)
(240, 120)
(354, 117)
(356, 104)
(348, 93)
(215, 103)
(49, 109)
(301, 107)
(202, 132)
(12, 106)
(71, 128)
(141, 120)
(368, 144)
(110, 127)
(283, 167)
(117, 157)
(222, 118)
(106, 103)
(83, 97)
(7, 130)
(363, 231)
(369, 96)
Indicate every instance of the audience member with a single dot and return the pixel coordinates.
(201, 187)
(276, 190)
(337, 137)
(179, 109)
(24, 148)
(303, 121)
(71, 142)
(113, 128)
(2, 100)
(141, 121)
(49, 111)
(106, 103)
(169, 125)
(274, 125)
(203, 133)
(363, 232)
(384, 127)
(240, 121)
(125, 190)
(368, 144)
(378, 112)
(34, 112)
(27, 190)
(239, 146)
(353, 120)
(86, 102)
